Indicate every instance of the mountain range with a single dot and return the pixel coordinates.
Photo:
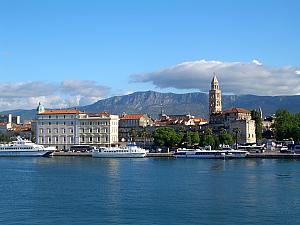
(196, 103)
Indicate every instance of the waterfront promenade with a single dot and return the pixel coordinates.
(265, 155)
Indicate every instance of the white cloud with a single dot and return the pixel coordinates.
(234, 77)
(68, 93)
(255, 61)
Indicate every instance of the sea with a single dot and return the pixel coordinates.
(83, 190)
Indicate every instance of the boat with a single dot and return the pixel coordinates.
(131, 150)
(227, 153)
(22, 147)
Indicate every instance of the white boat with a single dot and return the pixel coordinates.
(130, 151)
(22, 147)
(211, 154)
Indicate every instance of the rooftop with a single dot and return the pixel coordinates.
(131, 116)
(236, 110)
(61, 111)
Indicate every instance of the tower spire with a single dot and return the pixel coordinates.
(215, 97)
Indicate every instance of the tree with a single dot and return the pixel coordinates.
(258, 123)
(236, 130)
(225, 138)
(166, 136)
(287, 125)
(195, 138)
(133, 134)
(208, 138)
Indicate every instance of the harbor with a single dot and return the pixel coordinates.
(264, 155)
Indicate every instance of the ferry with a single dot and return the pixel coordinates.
(130, 151)
(211, 154)
(22, 148)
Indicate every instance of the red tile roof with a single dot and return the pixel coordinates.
(237, 110)
(61, 111)
(200, 120)
(131, 116)
(99, 114)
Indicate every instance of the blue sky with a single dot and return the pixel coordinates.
(116, 47)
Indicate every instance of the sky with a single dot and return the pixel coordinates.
(66, 53)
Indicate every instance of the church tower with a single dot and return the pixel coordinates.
(215, 97)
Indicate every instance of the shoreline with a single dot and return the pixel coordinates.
(265, 155)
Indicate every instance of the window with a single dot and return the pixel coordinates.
(63, 130)
(91, 130)
(91, 139)
(49, 123)
(49, 131)
(41, 131)
(71, 130)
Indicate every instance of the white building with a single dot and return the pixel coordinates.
(63, 128)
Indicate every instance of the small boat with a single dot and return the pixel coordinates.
(22, 147)
(211, 154)
(130, 151)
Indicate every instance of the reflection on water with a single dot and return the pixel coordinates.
(74, 190)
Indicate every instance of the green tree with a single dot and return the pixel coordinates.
(166, 136)
(287, 125)
(258, 124)
(208, 138)
(195, 138)
(133, 134)
(225, 138)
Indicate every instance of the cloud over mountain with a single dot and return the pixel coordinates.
(234, 77)
(67, 93)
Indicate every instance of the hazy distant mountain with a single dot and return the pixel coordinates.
(152, 103)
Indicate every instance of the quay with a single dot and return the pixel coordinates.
(264, 155)
(274, 155)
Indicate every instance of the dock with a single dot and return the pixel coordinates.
(274, 155)
(264, 155)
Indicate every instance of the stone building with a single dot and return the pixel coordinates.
(63, 128)
(233, 119)
(130, 123)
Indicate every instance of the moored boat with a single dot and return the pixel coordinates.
(130, 151)
(211, 154)
(22, 148)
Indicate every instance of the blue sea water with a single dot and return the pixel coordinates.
(82, 190)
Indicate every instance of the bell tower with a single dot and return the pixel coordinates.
(215, 97)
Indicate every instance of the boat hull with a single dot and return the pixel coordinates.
(118, 155)
(212, 154)
(24, 153)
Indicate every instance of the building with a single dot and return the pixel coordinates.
(239, 119)
(184, 120)
(215, 98)
(63, 128)
(9, 118)
(236, 120)
(131, 126)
